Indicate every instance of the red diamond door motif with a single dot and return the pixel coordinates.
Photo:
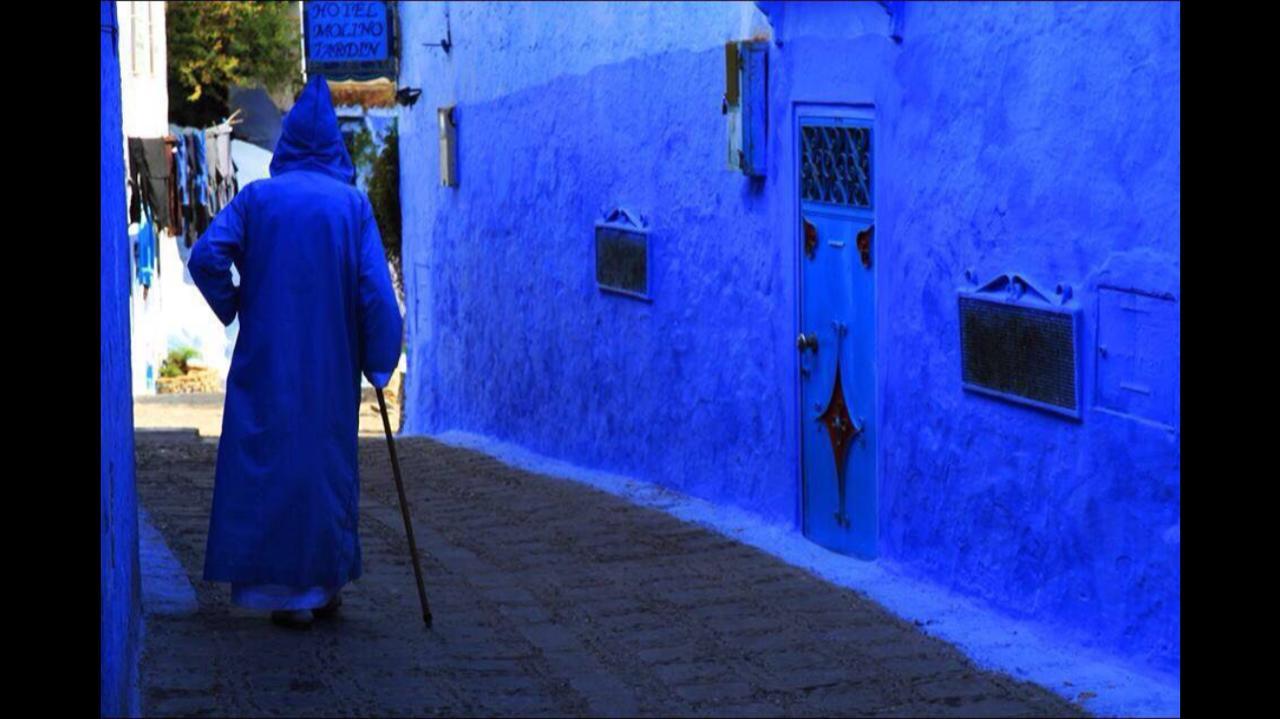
(841, 431)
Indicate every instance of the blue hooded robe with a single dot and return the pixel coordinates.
(316, 310)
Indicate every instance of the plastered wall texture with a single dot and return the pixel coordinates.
(1042, 139)
(118, 529)
(1033, 138)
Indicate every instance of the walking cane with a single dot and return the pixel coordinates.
(404, 508)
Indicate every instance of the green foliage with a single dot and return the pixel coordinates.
(175, 365)
(361, 148)
(378, 174)
(214, 44)
(384, 195)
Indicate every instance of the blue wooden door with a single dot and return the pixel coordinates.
(837, 330)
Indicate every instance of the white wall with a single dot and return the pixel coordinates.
(174, 313)
(144, 98)
(143, 78)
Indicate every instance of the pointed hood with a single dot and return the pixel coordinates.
(310, 139)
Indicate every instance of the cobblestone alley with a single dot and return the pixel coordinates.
(550, 598)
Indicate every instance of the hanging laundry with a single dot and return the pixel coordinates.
(137, 179)
(157, 169)
(201, 213)
(145, 249)
(181, 180)
(221, 172)
(182, 173)
(211, 170)
(174, 228)
(225, 167)
(201, 179)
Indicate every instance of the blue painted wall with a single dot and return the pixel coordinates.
(1043, 139)
(118, 531)
(563, 112)
(1036, 138)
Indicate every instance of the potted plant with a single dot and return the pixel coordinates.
(180, 372)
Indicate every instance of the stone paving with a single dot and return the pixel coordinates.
(550, 599)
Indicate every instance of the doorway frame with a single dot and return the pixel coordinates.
(858, 111)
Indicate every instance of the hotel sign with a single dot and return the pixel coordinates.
(351, 40)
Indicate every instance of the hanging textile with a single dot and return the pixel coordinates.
(137, 179)
(199, 181)
(145, 249)
(157, 169)
(211, 170)
(199, 187)
(182, 174)
(224, 168)
(181, 178)
(196, 182)
(174, 228)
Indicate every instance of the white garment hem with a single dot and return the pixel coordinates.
(276, 597)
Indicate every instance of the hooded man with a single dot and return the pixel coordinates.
(316, 310)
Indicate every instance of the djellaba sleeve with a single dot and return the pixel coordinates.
(210, 265)
(380, 322)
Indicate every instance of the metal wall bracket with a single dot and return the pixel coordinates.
(1014, 286)
(895, 8)
(447, 42)
(407, 96)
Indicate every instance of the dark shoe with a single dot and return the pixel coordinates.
(329, 609)
(293, 619)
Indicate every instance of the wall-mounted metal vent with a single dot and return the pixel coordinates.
(622, 254)
(1017, 345)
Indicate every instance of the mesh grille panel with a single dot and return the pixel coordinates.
(1020, 351)
(622, 260)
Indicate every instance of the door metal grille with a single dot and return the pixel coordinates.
(835, 164)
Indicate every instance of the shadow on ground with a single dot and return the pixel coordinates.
(550, 598)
